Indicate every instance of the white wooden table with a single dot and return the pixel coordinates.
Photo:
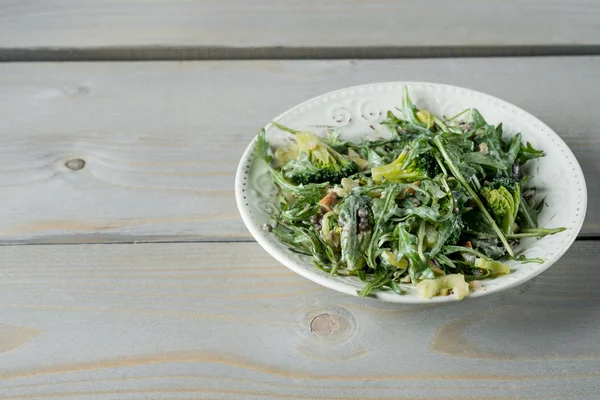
(126, 271)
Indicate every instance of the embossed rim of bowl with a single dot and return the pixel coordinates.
(309, 271)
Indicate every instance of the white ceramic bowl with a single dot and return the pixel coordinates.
(355, 110)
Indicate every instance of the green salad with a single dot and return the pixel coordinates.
(435, 204)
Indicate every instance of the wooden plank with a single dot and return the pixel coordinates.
(297, 23)
(161, 141)
(209, 321)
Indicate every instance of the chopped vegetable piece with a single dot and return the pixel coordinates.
(433, 287)
(496, 267)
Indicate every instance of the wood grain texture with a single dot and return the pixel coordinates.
(225, 321)
(271, 23)
(161, 141)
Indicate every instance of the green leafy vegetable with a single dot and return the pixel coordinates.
(458, 175)
(527, 153)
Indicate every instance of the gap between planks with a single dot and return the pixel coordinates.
(126, 241)
(205, 53)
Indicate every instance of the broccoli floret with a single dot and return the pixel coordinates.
(317, 162)
(502, 197)
(511, 184)
(422, 166)
(427, 162)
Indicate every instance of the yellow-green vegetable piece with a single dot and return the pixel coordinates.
(431, 287)
(392, 259)
(425, 117)
(387, 171)
(496, 267)
(360, 162)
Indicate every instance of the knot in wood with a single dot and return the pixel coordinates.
(326, 325)
(75, 164)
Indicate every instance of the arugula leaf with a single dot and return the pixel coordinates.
(383, 209)
(427, 213)
(478, 121)
(303, 241)
(483, 159)
(529, 214)
(458, 175)
(262, 148)
(513, 150)
(527, 153)
(380, 279)
(525, 260)
(462, 249)
(410, 110)
(375, 160)
(417, 269)
(492, 247)
(447, 229)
